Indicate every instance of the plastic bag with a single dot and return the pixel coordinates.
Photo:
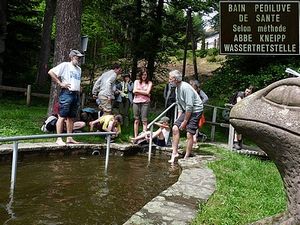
(201, 121)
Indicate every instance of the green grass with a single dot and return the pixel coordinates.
(18, 119)
(248, 189)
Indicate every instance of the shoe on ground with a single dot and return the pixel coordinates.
(237, 146)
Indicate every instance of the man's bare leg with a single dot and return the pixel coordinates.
(189, 145)
(70, 125)
(59, 129)
(175, 141)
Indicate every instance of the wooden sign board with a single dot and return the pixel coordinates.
(259, 27)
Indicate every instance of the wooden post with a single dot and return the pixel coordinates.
(213, 127)
(230, 137)
(82, 100)
(28, 95)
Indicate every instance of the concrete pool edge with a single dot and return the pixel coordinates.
(179, 203)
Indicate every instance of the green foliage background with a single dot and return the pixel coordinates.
(238, 72)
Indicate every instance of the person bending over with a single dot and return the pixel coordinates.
(108, 123)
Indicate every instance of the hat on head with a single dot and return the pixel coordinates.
(164, 119)
(75, 53)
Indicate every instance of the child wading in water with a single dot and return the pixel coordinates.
(160, 137)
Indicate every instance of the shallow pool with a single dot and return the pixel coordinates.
(75, 189)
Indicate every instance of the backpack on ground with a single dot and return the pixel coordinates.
(49, 125)
(88, 114)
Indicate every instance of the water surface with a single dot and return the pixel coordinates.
(76, 190)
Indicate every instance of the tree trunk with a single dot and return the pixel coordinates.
(156, 38)
(187, 37)
(44, 54)
(136, 39)
(68, 23)
(194, 45)
(3, 26)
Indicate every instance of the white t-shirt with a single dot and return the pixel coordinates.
(69, 74)
(166, 134)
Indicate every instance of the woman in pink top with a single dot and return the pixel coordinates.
(141, 101)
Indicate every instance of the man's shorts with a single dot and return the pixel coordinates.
(140, 110)
(192, 125)
(69, 102)
(105, 104)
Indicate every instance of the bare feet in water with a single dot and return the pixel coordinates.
(173, 157)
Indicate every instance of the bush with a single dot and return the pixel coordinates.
(213, 52)
(201, 53)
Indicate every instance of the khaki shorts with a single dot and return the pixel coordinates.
(105, 104)
(140, 111)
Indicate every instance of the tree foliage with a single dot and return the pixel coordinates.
(129, 31)
(238, 72)
(22, 41)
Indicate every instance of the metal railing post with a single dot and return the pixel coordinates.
(14, 167)
(175, 113)
(150, 144)
(107, 152)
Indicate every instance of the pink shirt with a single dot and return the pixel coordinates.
(139, 98)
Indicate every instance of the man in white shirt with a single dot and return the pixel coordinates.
(68, 76)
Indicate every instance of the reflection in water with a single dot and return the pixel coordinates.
(74, 190)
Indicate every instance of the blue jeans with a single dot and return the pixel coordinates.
(69, 102)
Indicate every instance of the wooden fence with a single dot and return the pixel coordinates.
(28, 93)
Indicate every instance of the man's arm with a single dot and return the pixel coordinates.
(96, 87)
(111, 85)
(57, 80)
(203, 96)
(187, 117)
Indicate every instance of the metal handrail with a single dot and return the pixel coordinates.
(42, 136)
(160, 115)
(150, 125)
(15, 140)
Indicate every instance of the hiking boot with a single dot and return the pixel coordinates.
(236, 146)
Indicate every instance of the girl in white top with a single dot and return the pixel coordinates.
(160, 136)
